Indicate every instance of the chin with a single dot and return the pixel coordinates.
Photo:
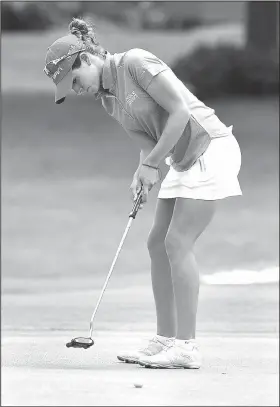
(98, 95)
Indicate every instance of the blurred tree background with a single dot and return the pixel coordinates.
(229, 70)
(135, 14)
(212, 71)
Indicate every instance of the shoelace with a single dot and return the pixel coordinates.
(167, 347)
(151, 342)
(155, 341)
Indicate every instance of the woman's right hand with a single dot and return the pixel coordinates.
(135, 187)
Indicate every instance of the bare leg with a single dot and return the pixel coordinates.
(160, 269)
(189, 220)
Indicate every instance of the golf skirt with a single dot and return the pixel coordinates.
(213, 176)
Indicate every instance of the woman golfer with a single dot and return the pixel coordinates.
(169, 123)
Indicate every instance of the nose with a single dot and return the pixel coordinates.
(76, 88)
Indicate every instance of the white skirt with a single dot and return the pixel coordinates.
(213, 176)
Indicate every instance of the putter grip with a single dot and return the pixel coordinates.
(135, 208)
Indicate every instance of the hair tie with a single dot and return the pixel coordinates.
(75, 31)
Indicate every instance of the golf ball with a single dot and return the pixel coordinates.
(138, 385)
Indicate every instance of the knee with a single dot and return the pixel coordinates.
(172, 243)
(155, 241)
(177, 246)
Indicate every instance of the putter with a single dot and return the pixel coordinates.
(83, 342)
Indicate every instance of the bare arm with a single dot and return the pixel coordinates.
(144, 142)
(143, 155)
(146, 145)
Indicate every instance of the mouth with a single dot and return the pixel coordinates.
(84, 91)
(89, 89)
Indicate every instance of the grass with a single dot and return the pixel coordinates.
(65, 191)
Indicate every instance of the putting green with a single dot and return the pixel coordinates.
(38, 369)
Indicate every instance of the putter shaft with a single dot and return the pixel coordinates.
(132, 216)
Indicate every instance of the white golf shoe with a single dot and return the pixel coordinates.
(184, 355)
(155, 345)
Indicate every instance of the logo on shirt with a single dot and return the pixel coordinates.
(130, 98)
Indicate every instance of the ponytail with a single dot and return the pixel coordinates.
(86, 33)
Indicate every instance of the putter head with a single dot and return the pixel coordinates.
(80, 342)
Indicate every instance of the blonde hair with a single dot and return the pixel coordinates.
(86, 33)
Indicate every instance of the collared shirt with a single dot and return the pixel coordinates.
(126, 77)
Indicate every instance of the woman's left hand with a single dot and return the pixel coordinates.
(148, 177)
